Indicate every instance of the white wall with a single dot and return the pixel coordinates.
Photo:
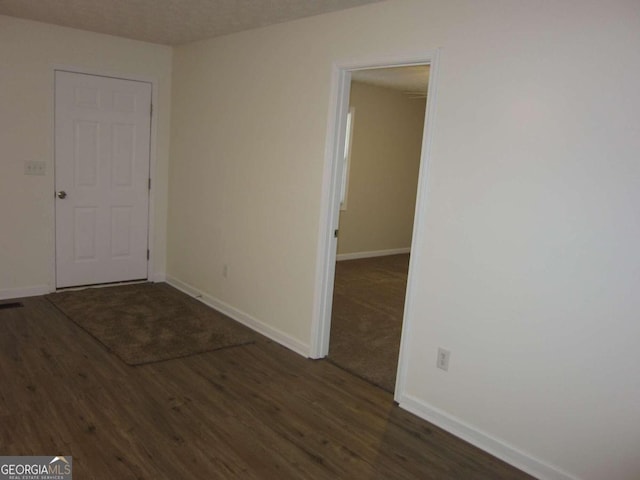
(383, 173)
(529, 267)
(29, 52)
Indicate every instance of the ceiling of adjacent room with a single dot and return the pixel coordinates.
(411, 80)
(170, 22)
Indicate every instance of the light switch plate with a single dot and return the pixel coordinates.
(33, 167)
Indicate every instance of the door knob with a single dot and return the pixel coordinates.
(61, 194)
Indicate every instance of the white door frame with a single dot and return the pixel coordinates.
(152, 275)
(330, 207)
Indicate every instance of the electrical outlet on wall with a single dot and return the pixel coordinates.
(33, 167)
(443, 359)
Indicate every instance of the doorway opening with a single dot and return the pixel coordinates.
(370, 279)
(383, 142)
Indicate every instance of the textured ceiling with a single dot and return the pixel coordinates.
(412, 80)
(170, 22)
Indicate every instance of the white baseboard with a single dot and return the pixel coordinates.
(259, 326)
(374, 253)
(24, 292)
(495, 447)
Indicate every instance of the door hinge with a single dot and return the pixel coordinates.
(148, 255)
(335, 233)
(149, 183)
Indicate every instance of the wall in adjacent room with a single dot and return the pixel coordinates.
(383, 173)
(29, 52)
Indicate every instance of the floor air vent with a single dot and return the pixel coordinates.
(6, 306)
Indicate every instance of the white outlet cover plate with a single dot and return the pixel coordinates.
(443, 359)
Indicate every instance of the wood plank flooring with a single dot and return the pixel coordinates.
(252, 412)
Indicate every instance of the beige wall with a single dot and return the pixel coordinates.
(528, 267)
(383, 177)
(29, 52)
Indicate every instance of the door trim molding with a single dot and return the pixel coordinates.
(329, 214)
(152, 275)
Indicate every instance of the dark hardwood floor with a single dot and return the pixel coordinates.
(252, 412)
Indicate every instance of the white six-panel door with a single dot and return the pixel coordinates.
(102, 133)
